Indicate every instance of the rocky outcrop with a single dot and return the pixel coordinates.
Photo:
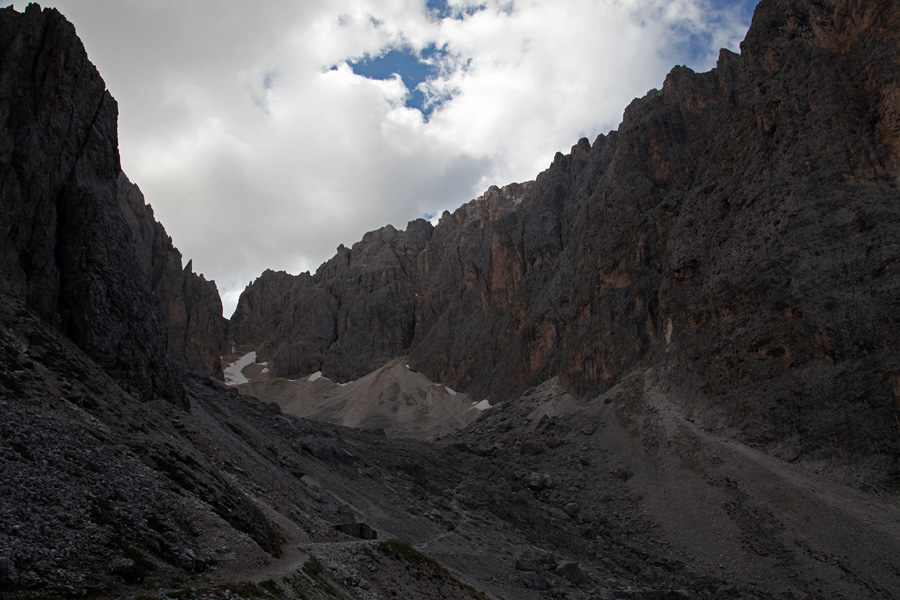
(356, 313)
(79, 245)
(367, 305)
(736, 234)
(189, 304)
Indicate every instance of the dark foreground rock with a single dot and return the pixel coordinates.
(106, 496)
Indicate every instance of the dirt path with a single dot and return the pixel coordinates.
(293, 555)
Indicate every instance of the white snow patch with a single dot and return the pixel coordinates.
(449, 391)
(407, 365)
(233, 375)
(316, 375)
(483, 405)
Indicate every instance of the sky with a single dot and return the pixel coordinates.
(264, 134)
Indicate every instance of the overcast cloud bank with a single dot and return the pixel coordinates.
(259, 146)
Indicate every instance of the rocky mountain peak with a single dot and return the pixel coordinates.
(80, 246)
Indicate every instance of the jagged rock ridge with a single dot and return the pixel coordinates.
(79, 244)
(737, 233)
(368, 304)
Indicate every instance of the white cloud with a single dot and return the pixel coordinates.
(256, 153)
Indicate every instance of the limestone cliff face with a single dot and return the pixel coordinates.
(737, 236)
(79, 246)
(189, 304)
(372, 302)
(357, 312)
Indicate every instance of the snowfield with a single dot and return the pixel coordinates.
(234, 372)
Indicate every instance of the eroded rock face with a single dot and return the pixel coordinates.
(370, 303)
(737, 233)
(78, 245)
(189, 304)
(356, 313)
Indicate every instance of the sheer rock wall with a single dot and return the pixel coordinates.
(79, 245)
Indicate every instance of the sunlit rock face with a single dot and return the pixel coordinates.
(735, 234)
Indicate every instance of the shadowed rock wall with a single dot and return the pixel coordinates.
(79, 245)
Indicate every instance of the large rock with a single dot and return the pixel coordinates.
(737, 234)
(79, 245)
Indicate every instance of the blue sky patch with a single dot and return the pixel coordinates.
(412, 68)
(695, 46)
(441, 10)
(744, 6)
